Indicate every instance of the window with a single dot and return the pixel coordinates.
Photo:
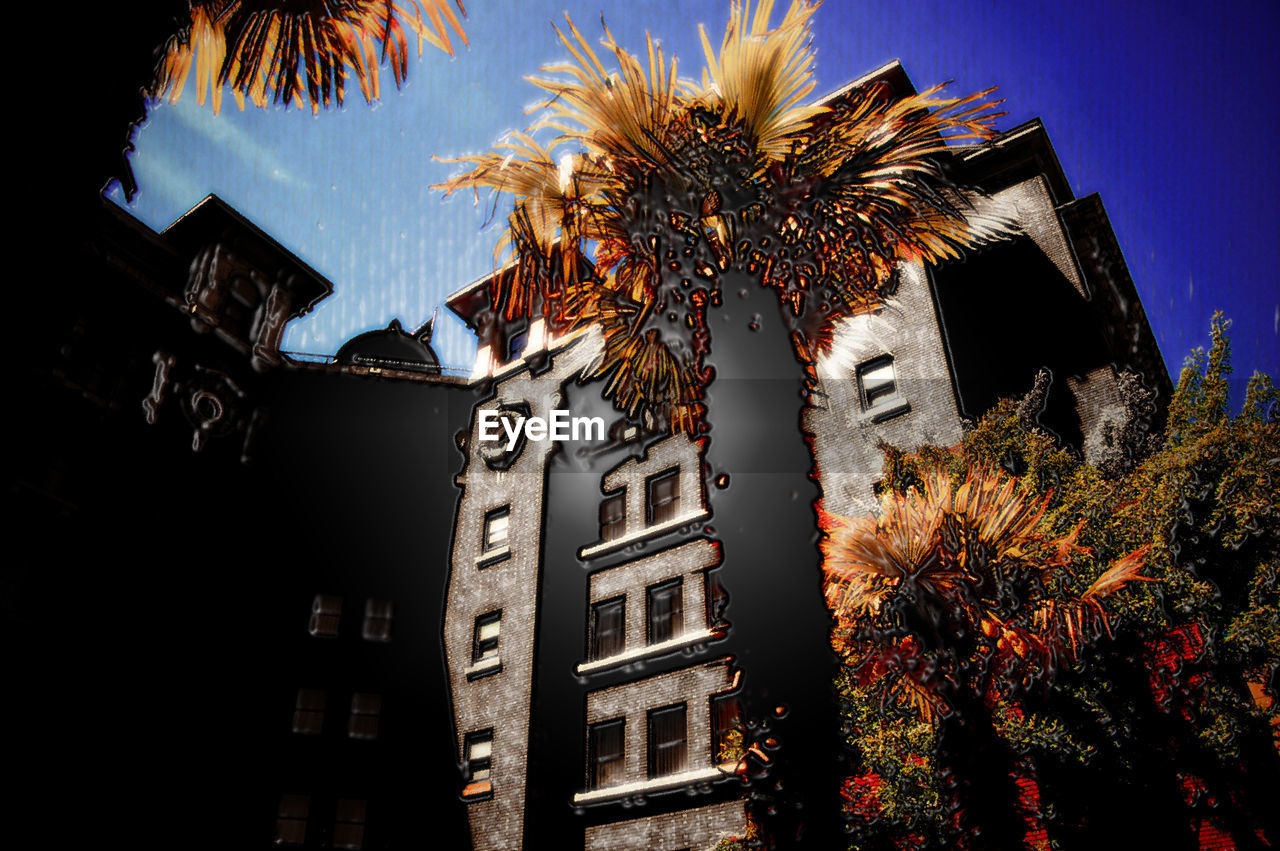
(291, 819)
(518, 339)
(604, 755)
(348, 824)
(666, 611)
(496, 525)
(876, 382)
(377, 620)
(726, 730)
(366, 710)
(479, 754)
(664, 497)
(325, 612)
(613, 517)
(608, 628)
(668, 746)
(308, 713)
(485, 645)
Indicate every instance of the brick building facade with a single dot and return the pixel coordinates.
(669, 643)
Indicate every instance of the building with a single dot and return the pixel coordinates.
(614, 665)
(318, 611)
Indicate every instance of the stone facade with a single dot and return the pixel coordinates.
(631, 476)
(489, 575)
(631, 702)
(699, 829)
(846, 431)
(687, 564)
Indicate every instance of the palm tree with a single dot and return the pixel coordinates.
(956, 598)
(277, 50)
(667, 185)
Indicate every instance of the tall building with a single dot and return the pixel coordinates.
(312, 608)
(624, 612)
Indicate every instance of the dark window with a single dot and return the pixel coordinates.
(479, 769)
(325, 613)
(308, 713)
(613, 517)
(377, 620)
(666, 611)
(366, 711)
(668, 745)
(518, 340)
(291, 819)
(726, 730)
(485, 644)
(608, 628)
(876, 381)
(348, 824)
(605, 754)
(664, 497)
(497, 523)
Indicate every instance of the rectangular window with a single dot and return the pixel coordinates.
(604, 755)
(608, 628)
(488, 629)
(876, 381)
(348, 824)
(496, 525)
(668, 741)
(291, 819)
(726, 730)
(326, 610)
(518, 339)
(666, 611)
(366, 712)
(664, 497)
(377, 620)
(479, 769)
(613, 517)
(308, 713)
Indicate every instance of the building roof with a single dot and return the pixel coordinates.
(215, 218)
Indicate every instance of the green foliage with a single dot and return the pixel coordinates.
(900, 752)
(1204, 498)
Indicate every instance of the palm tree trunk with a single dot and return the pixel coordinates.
(976, 770)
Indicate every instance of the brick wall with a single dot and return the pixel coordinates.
(698, 829)
(479, 584)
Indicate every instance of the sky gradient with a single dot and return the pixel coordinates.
(1159, 107)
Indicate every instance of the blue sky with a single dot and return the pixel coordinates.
(1160, 107)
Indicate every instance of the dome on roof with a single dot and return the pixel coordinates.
(392, 348)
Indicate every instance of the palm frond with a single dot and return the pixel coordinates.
(957, 574)
(200, 47)
(760, 75)
(630, 113)
(819, 202)
(557, 209)
(279, 50)
(1125, 570)
(883, 198)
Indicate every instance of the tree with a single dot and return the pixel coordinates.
(958, 596)
(667, 186)
(1112, 717)
(265, 49)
